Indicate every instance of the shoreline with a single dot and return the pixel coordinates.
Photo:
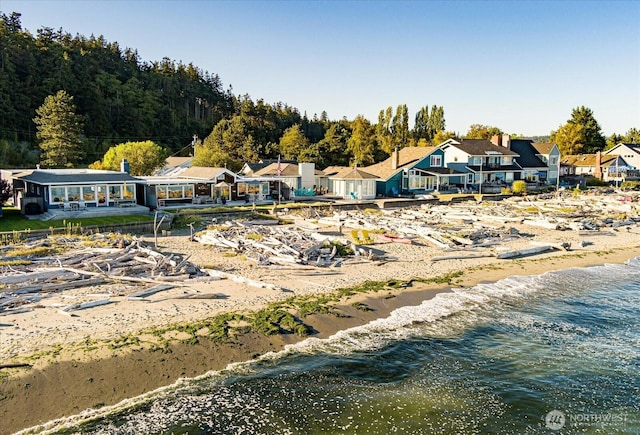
(79, 382)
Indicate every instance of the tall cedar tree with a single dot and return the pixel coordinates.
(59, 130)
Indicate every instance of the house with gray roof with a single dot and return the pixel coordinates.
(489, 165)
(550, 154)
(38, 190)
(540, 162)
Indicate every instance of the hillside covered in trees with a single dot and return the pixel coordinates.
(120, 98)
(109, 97)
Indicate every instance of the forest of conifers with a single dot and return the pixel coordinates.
(121, 99)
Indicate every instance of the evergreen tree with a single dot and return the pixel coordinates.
(631, 136)
(333, 148)
(593, 138)
(59, 130)
(613, 140)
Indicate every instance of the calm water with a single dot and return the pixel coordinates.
(557, 353)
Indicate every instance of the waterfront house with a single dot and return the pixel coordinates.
(289, 179)
(604, 167)
(192, 185)
(414, 170)
(489, 165)
(630, 152)
(353, 183)
(325, 182)
(38, 190)
(550, 154)
(540, 162)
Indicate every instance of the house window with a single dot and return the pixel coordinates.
(436, 161)
(73, 193)
(129, 191)
(175, 192)
(57, 194)
(115, 192)
(242, 189)
(553, 160)
(88, 193)
(253, 189)
(161, 192)
(368, 188)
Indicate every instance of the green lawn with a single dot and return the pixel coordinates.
(12, 220)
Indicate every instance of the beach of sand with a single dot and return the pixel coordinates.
(74, 377)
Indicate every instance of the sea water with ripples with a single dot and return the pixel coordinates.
(554, 353)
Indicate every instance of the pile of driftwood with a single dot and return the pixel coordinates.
(106, 261)
(430, 226)
(268, 244)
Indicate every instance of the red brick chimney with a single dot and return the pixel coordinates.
(496, 139)
(598, 170)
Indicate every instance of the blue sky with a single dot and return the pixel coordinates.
(520, 66)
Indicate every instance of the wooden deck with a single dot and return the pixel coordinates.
(59, 214)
